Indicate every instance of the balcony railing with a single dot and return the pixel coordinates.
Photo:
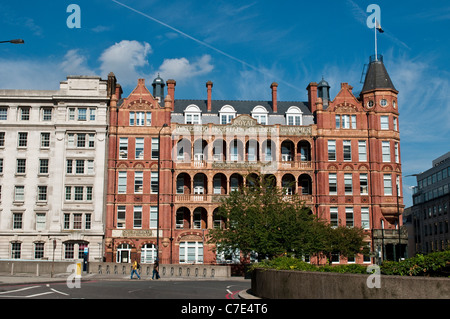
(216, 198)
(245, 165)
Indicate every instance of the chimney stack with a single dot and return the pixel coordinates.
(312, 96)
(274, 87)
(209, 86)
(171, 91)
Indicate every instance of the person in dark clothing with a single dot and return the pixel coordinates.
(156, 270)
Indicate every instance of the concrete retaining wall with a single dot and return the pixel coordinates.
(166, 270)
(39, 268)
(287, 284)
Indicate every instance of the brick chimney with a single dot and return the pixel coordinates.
(312, 96)
(171, 91)
(209, 86)
(274, 87)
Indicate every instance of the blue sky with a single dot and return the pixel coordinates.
(243, 47)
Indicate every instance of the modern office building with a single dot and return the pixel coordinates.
(52, 170)
(341, 155)
(430, 212)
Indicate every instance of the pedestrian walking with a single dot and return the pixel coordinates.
(135, 270)
(156, 270)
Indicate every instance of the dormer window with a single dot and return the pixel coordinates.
(226, 114)
(259, 113)
(192, 115)
(294, 116)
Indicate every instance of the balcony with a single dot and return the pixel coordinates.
(216, 198)
(391, 236)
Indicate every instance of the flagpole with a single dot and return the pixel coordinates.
(375, 29)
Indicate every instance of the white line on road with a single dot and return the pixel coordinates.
(21, 289)
(41, 294)
(59, 292)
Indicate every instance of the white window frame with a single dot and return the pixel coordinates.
(362, 151)
(122, 182)
(153, 217)
(138, 182)
(384, 122)
(363, 189)
(154, 182)
(121, 221)
(347, 150)
(294, 116)
(137, 220)
(123, 148)
(155, 148)
(348, 183)
(332, 180)
(191, 252)
(226, 114)
(365, 218)
(332, 150)
(192, 115)
(387, 184)
(349, 212)
(386, 151)
(139, 148)
(259, 113)
(334, 217)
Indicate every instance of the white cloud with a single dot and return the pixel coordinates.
(42, 74)
(75, 64)
(181, 68)
(126, 59)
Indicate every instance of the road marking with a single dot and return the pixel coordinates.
(59, 292)
(37, 295)
(21, 289)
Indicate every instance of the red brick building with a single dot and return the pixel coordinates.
(342, 156)
(137, 138)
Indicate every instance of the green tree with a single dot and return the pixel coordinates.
(260, 218)
(343, 240)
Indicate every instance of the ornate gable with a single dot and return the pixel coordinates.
(345, 101)
(140, 98)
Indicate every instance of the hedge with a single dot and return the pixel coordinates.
(435, 264)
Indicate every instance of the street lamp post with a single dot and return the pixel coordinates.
(159, 169)
(14, 41)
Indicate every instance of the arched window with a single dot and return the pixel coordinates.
(294, 116)
(226, 114)
(192, 115)
(260, 114)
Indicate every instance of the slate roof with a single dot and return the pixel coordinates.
(377, 77)
(241, 107)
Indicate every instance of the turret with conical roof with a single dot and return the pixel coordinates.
(377, 76)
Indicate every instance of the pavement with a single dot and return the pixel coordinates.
(29, 279)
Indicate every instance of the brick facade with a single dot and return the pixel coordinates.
(341, 155)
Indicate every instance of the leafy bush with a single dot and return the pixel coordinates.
(434, 264)
(289, 263)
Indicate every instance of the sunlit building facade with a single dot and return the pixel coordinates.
(170, 162)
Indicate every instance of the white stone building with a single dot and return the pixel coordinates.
(53, 147)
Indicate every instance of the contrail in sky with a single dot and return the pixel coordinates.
(200, 42)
